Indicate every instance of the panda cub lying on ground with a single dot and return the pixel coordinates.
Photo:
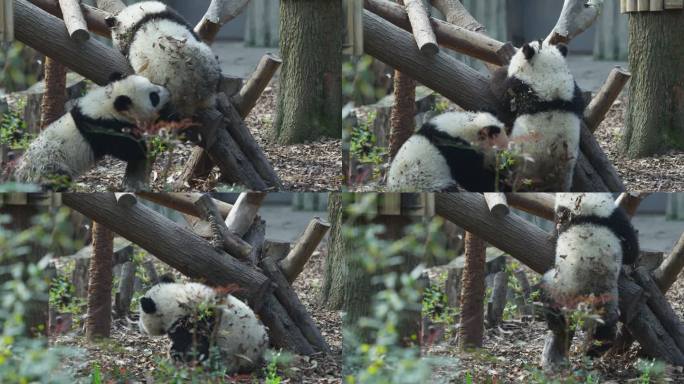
(540, 99)
(103, 122)
(595, 238)
(196, 318)
(453, 150)
(163, 47)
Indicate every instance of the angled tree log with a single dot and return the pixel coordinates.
(74, 20)
(184, 202)
(241, 217)
(576, 17)
(420, 25)
(283, 332)
(171, 243)
(219, 13)
(94, 17)
(630, 201)
(226, 239)
(256, 237)
(671, 267)
(538, 204)
(497, 204)
(590, 149)
(290, 301)
(600, 105)
(294, 263)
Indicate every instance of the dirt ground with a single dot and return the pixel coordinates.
(308, 167)
(511, 354)
(135, 353)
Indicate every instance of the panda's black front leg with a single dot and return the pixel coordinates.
(605, 333)
(137, 175)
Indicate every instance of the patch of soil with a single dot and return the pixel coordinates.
(511, 354)
(310, 167)
(135, 355)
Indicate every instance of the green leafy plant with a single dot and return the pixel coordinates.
(652, 371)
(363, 143)
(13, 130)
(271, 370)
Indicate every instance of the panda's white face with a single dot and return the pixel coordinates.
(481, 129)
(133, 99)
(586, 204)
(165, 303)
(544, 67)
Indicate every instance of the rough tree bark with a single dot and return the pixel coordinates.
(402, 121)
(471, 331)
(310, 95)
(99, 320)
(54, 97)
(655, 115)
(332, 296)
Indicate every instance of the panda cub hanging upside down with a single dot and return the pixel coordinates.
(103, 122)
(595, 238)
(453, 150)
(196, 318)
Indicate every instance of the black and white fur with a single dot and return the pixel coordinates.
(172, 309)
(103, 122)
(595, 238)
(453, 150)
(541, 100)
(163, 47)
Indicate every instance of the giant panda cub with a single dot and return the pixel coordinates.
(595, 238)
(196, 318)
(103, 122)
(451, 151)
(540, 98)
(163, 47)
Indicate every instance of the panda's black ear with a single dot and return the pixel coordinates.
(147, 305)
(111, 21)
(563, 49)
(115, 76)
(122, 103)
(528, 51)
(166, 278)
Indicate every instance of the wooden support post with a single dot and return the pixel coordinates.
(668, 271)
(597, 159)
(298, 313)
(282, 331)
(451, 36)
(497, 204)
(497, 301)
(94, 17)
(172, 244)
(246, 99)
(124, 294)
(244, 211)
(538, 204)
(227, 240)
(294, 263)
(420, 25)
(74, 20)
(600, 105)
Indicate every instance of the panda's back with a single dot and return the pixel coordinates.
(419, 166)
(588, 260)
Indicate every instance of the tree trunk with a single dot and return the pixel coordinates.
(472, 294)
(310, 93)
(332, 294)
(99, 320)
(54, 97)
(655, 116)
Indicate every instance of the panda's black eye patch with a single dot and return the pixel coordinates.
(148, 306)
(154, 98)
(122, 103)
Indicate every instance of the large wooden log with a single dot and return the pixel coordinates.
(246, 99)
(576, 17)
(184, 202)
(538, 204)
(218, 13)
(282, 331)
(446, 75)
(497, 204)
(590, 149)
(448, 35)
(48, 35)
(171, 243)
(668, 271)
(229, 241)
(294, 263)
(605, 97)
